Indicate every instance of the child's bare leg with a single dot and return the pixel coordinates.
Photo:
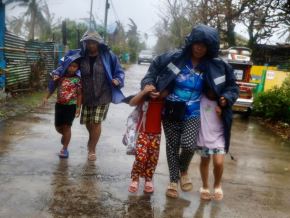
(218, 163)
(66, 136)
(59, 129)
(204, 171)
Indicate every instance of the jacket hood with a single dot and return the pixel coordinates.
(92, 36)
(207, 35)
(69, 57)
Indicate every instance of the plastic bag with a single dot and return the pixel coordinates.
(132, 128)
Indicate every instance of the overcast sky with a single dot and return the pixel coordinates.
(143, 12)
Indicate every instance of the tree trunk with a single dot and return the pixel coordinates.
(33, 19)
(231, 39)
(251, 41)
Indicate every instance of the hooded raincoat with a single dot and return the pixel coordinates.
(112, 67)
(216, 73)
(69, 57)
(110, 62)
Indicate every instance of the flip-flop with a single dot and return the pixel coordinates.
(218, 194)
(185, 183)
(172, 190)
(92, 157)
(63, 153)
(204, 194)
(148, 188)
(133, 187)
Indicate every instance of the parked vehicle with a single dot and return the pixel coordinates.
(145, 56)
(240, 60)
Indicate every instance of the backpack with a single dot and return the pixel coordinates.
(132, 130)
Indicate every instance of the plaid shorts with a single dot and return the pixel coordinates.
(94, 114)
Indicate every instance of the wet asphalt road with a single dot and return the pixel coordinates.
(35, 183)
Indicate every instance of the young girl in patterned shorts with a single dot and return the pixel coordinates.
(148, 141)
(211, 143)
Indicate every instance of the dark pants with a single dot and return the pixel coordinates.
(180, 136)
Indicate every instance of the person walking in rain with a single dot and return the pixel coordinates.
(102, 78)
(66, 79)
(183, 73)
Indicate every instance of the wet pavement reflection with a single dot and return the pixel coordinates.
(34, 182)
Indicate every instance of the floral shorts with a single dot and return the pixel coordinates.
(206, 152)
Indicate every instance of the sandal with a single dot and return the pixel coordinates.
(63, 153)
(92, 157)
(172, 190)
(148, 188)
(204, 194)
(218, 194)
(133, 187)
(185, 183)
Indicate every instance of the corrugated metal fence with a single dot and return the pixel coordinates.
(27, 62)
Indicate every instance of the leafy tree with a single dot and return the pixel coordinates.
(262, 19)
(173, 27)
(163, 41)
(36, 18)
(74, 32)
(222, 15)
(133, 40)
(285, 8)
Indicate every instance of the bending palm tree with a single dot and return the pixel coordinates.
(37, 16)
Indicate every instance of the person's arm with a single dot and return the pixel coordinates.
(118, 73)
(140, 97)
(79, 105)
(158, 73)
(45, 99)
(152, 73)
(164, 94)
(231, 92)
(79, 100)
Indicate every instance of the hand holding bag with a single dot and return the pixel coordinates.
(134, 123)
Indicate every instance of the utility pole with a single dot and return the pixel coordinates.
(106, 19)
(91, 15)
(64, 33)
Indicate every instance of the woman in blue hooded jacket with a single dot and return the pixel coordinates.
(102, 78)
(184, 72)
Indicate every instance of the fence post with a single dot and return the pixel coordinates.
(2, 38)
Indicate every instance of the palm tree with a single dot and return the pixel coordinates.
(36, 17)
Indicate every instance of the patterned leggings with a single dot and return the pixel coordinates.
(147, 154)
(180, 135)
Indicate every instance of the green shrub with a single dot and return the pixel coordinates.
(275, 103)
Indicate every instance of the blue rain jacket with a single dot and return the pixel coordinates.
(216, 73)
(69, 57)
(110, 62)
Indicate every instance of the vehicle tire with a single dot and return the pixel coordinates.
(247, 113)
